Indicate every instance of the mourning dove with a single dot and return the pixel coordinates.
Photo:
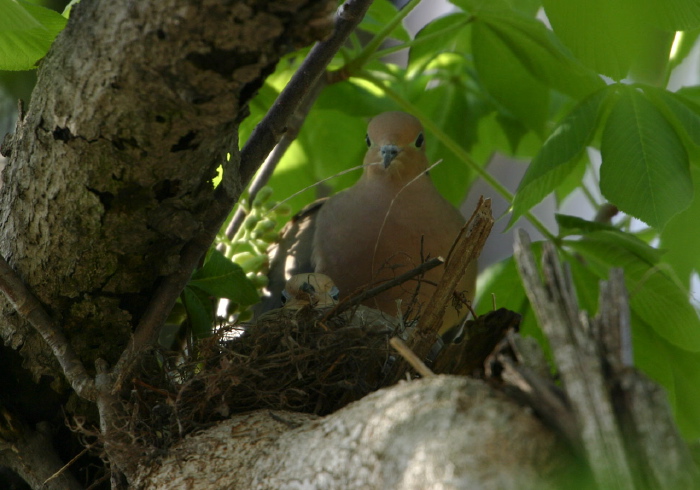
(378, 228)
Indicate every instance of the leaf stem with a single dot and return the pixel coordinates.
(377, 40)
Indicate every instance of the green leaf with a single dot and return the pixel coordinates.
(449, 106)
(607, 36)
(673, 15)
(26, 33)
(656, 295)
(528, 7)
(681, 238)
(559, 154)
(684, 112)
(444, 34)
(221, 278)
(380, 13)
(540, 53)
(200, 311)
(315, 156)
(645, 169)
(653, 355)
(686, 370)
(353, 99)
(573, 181)
(572, 225)
(500, 72)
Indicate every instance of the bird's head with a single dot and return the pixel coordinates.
(396, 146)
(311, 289)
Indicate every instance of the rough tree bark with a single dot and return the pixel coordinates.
(110, 170)
(109, 173)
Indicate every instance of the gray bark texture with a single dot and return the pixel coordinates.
(442, 432)
(110, 171)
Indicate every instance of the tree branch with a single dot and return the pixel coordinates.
(266, 134)
(371, 293)
(26, 304)
(557, 311)
(261, 142)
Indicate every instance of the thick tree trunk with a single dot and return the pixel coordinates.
(111, 169)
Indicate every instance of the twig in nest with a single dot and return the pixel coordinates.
(466, 249)
(371, 293)
(411, 357)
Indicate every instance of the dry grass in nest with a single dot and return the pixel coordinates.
(288, 360)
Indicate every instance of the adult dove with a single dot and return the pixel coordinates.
(382, 226)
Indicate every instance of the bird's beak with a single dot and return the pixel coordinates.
(388, 152)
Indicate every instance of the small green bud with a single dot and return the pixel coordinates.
(258, 280)
(250, 222)
(265, 225)
(270, 237)
(253, 264)
(263, 196)
(283, 210)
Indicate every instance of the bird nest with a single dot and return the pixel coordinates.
(290, 360)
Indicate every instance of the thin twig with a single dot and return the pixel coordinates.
(370, 293)
(29, 308)
(68, 464)
(466, 248)
(411, 357)
(261, 142)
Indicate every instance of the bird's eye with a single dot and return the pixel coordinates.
(334, 293)
(420, 140)
(368, 141)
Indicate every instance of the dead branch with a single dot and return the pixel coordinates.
(466, 249)
(622, 423)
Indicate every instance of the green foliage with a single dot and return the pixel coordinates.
(491, 77)
(645, 164)
(238, 275)
(218, 278)
(26, 33)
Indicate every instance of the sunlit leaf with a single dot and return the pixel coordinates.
(26, 33)
(221, 278)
